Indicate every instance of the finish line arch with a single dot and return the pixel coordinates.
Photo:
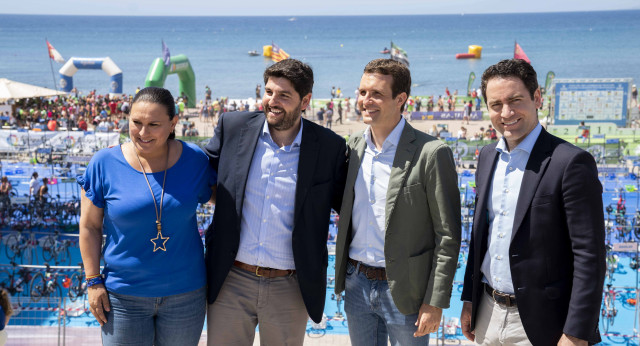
(106, 64)
(179, 65)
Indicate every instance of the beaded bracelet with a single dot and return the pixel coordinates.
(94, 281)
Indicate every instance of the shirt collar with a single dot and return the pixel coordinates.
(526, 145)
(392, 139)
(296, 141)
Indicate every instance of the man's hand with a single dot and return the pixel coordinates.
(428, 320)
(568, 340)
(465, 321)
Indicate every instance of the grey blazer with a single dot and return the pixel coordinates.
(422, 233)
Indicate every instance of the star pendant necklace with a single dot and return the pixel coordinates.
(159, 242)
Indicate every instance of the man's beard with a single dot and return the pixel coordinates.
(286, 121)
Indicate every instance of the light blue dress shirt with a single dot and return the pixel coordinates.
(370, 201)
(503, 198)
(268, 207)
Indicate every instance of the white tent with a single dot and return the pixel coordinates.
(15, 90)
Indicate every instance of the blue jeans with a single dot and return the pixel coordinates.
(372, 316)
(171, 320)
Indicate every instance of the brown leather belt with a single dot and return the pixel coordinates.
(371, 273)
(504, 299)
(262, 271)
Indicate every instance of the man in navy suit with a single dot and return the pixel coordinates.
(537, 257)
(266, 251)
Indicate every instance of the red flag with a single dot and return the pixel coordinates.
(518, 53)
(53, 53)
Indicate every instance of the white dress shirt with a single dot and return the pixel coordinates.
(370, 198)
(503, 198)
(268, 207)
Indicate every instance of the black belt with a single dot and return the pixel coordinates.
(504, 299)
(371, 273)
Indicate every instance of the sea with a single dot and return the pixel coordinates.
(571, 44)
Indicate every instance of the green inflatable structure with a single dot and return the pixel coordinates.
(179, 65)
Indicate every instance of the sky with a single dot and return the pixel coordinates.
(304, 7)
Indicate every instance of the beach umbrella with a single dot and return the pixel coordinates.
(15, 90)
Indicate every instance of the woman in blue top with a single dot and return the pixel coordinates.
(5, 313)
(143, 195)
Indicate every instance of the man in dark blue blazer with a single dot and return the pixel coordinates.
(278, 177)
(537, 256)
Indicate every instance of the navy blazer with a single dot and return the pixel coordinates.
(557, 252)
(321, 177)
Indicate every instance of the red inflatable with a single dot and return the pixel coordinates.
(465, 56)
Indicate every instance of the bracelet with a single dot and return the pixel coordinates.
(95, 281)
(92, 276)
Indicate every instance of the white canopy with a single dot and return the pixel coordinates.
(15, 90)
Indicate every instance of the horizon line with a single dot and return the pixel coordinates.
(319, 15)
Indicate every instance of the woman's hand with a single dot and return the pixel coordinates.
(99, 302)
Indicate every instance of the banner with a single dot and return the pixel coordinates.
(472, 77)
(547, 83)
(453, 115)
(75, 142)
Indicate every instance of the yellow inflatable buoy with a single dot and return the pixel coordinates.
(266, 51)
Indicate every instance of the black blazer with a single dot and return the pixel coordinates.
(321, 176)
(557, 253)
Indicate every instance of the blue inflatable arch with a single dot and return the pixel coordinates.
(106, 64)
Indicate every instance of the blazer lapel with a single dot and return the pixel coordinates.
(309, 149)
(355, 160)
(401, 162)
(484, 174)
(536, 166)
(248, 140)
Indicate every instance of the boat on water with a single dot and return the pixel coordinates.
(253, 53)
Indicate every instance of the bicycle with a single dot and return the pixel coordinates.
(54, 249)
(78, 286)
(46, 285)
(609, 310)
(16, 283)
(17, 245)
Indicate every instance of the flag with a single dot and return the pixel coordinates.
(278, 54)
(166, 56)
(398, 54)
(54, 54)
(518, 53)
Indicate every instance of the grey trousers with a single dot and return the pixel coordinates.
(499, 325)
(247, 300)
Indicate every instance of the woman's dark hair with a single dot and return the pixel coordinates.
(34, 175)
(5, 179)
(5, 303)
(159, 96)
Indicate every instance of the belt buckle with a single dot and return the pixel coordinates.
(257, 269)
(505, 298)
(366, 273)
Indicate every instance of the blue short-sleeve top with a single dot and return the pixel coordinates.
(131, 266)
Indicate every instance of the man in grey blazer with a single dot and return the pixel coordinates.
(399, 228)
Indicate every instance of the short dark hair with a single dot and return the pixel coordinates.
(398, 71)
(511, 68)
(295, 71)
(160, 96)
